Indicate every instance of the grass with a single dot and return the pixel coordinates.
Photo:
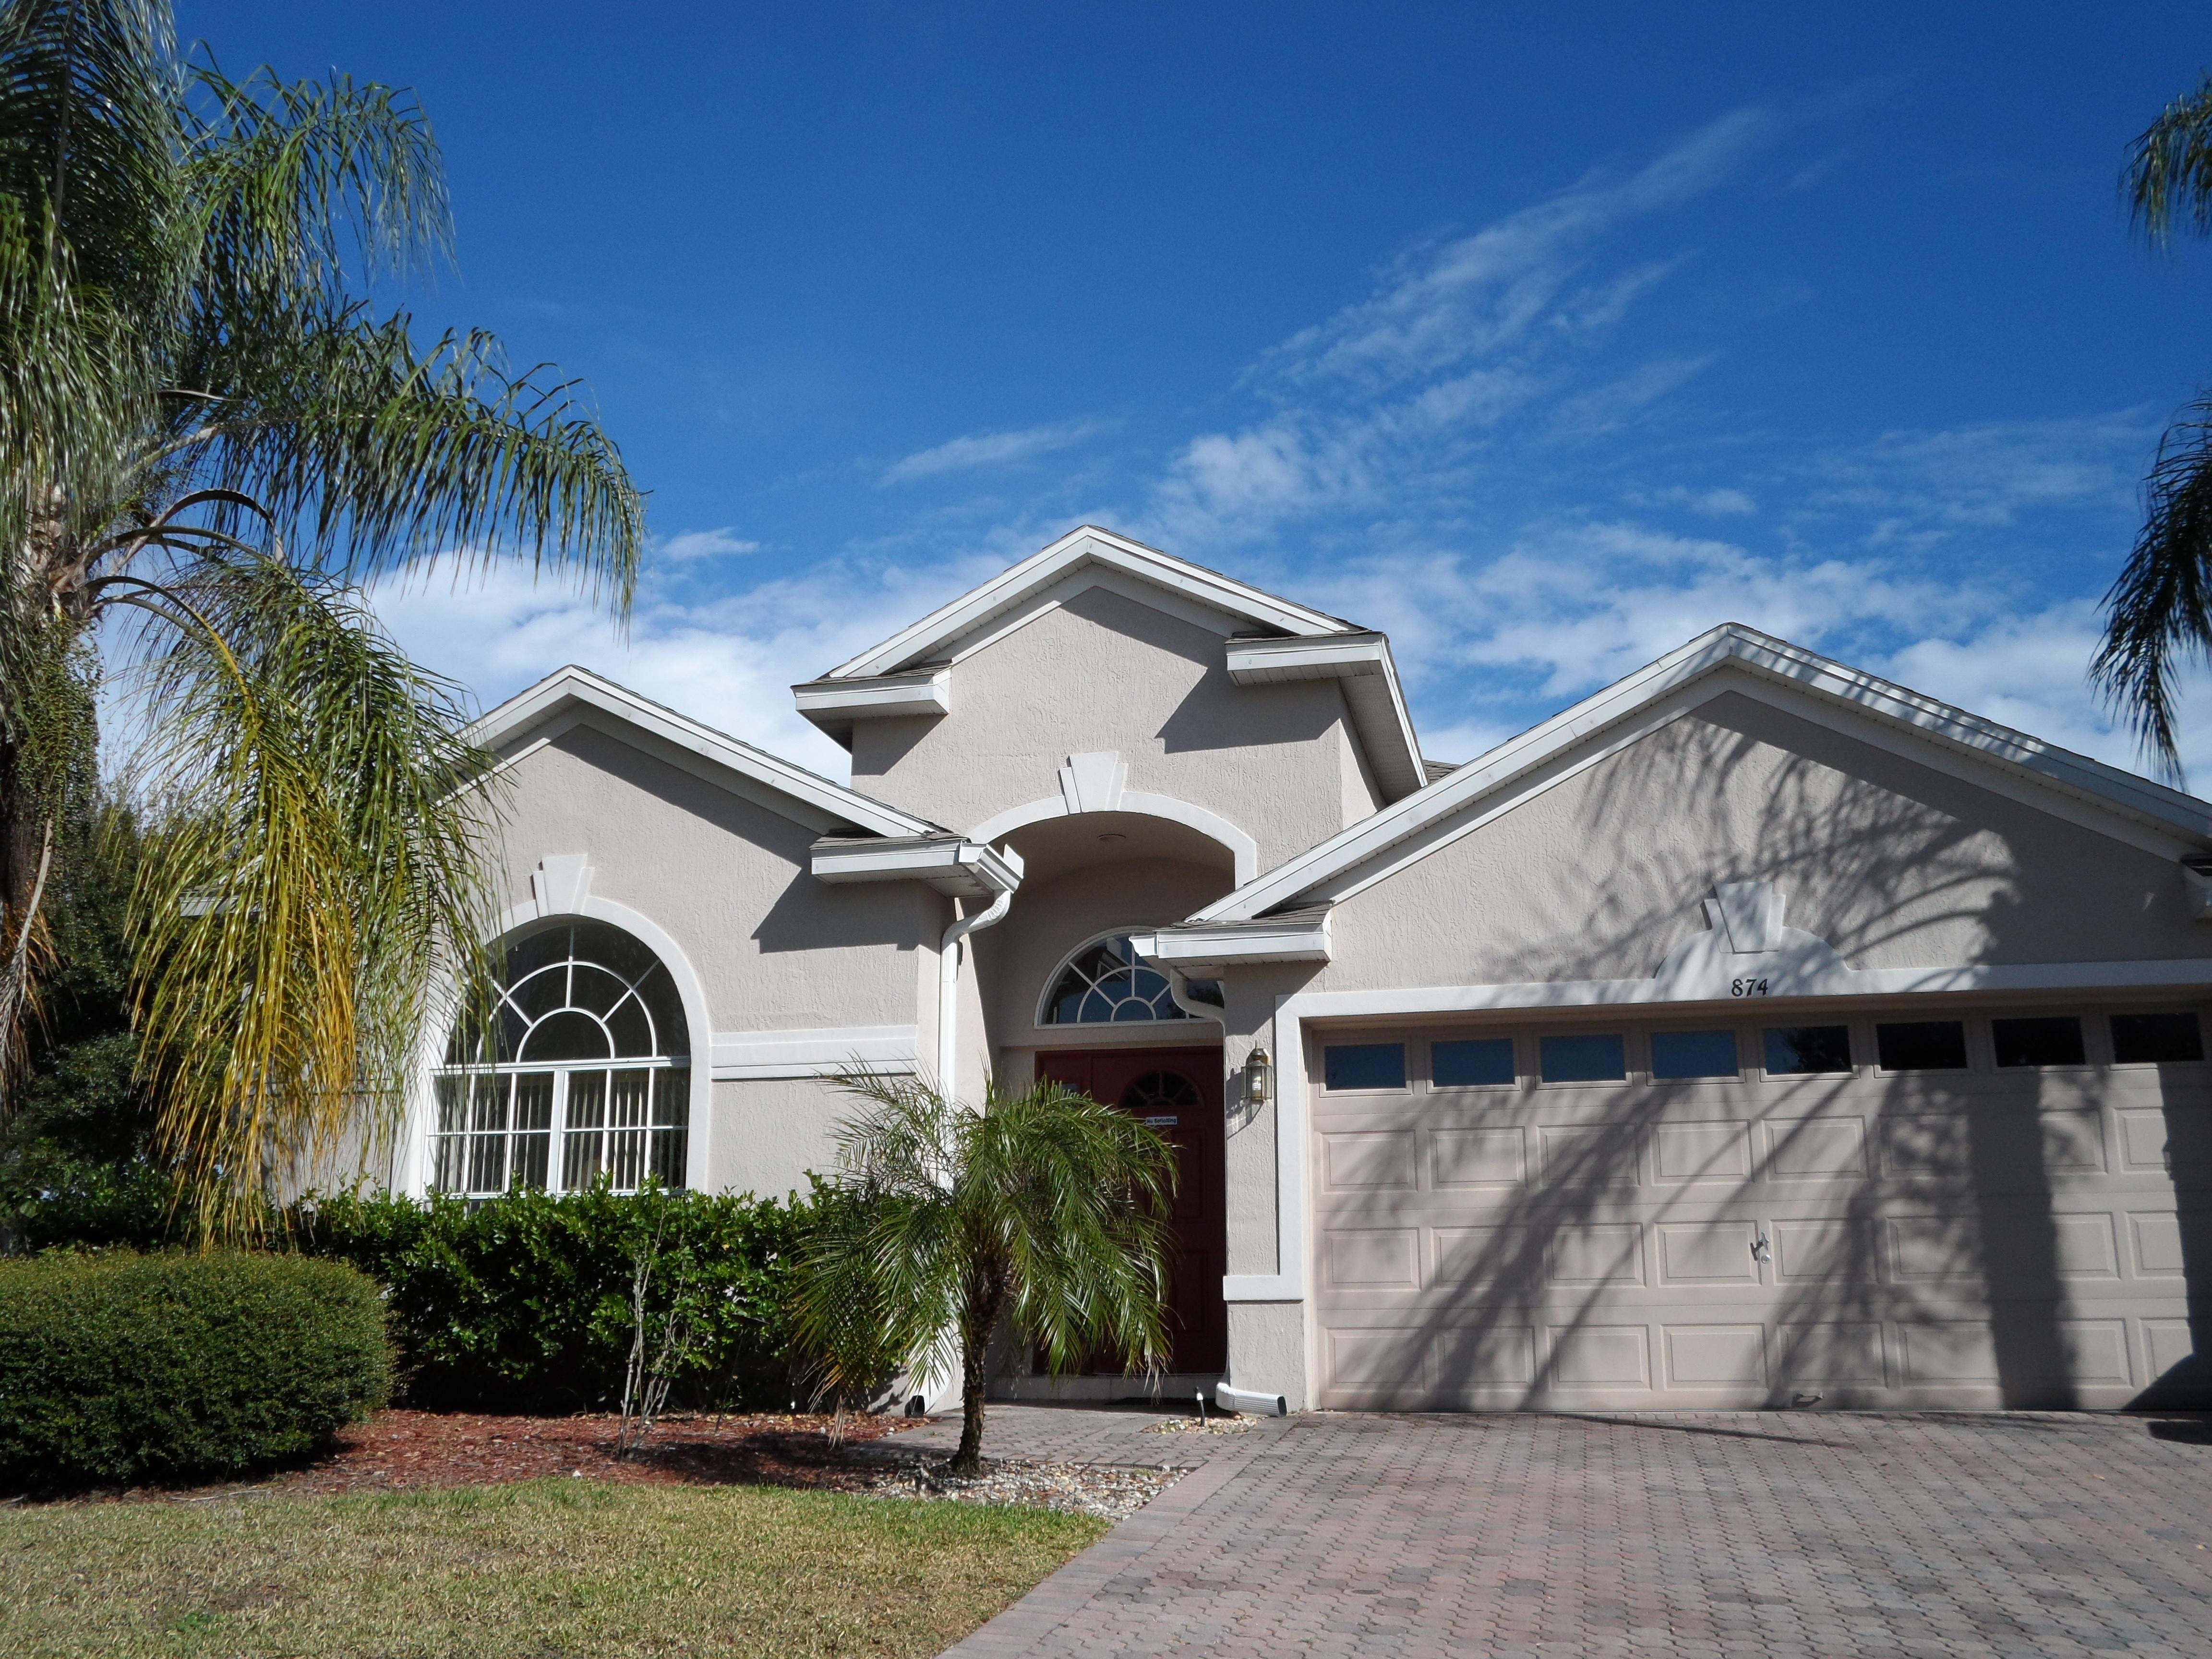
(546, 1568)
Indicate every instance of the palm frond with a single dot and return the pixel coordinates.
(2169, 171)
(321, 855)
(379, 455)
(2159, 611)
(1042, 1206)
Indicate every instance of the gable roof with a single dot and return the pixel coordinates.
(1731, 657)
(927, 640)
(570, 695)
(907, 673)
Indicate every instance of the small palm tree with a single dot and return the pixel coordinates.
(2158, 612)
(1044, 1208)
(208, 433)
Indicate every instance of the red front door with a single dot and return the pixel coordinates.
(1178, 1092)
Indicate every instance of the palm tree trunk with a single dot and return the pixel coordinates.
(26, 856)
(985, 1301)
(968, 1459)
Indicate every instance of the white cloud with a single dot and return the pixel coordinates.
(991, 449)
(1712, 503)
(1488, 290)
(1484, 340)
(1916, 486)
(692, 544)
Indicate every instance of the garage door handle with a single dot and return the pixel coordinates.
(1762, 1248)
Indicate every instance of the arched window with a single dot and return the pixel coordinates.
(584, 1072)
(1107, 983)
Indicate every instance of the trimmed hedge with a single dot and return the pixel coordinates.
(122, 1368)
(522, 1303)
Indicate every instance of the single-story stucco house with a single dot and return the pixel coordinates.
(1754, 1032)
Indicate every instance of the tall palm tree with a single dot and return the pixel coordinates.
(210, 435)
(1042, 1208)
(2159, 612)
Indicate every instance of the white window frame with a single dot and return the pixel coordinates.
(1180, 1017)
(561, 1073)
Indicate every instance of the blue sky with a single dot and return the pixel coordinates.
(1541, 336)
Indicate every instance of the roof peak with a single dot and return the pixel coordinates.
(1086, 544)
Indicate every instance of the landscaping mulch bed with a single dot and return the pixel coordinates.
(408, 1450)
(398, 1450)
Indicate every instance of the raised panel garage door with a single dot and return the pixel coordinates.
(1967, 1208)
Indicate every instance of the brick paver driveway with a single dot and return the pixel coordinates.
(1782, 1534)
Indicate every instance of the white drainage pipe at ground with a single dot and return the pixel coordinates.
(1247, 1403)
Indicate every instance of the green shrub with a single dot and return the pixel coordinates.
(117, 1368)
(523, 1303)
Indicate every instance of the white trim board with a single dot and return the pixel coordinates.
(823, 1051)
(2131, 809)
(578, 690)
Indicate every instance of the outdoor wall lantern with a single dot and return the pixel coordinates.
(1258, 1074)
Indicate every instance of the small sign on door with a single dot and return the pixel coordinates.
(1167, 1122)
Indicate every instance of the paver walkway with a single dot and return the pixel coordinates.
(1768, 1533)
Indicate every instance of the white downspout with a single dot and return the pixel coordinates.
(1179, 994)
(948, 986)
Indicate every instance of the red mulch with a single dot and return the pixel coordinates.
(398, 1450)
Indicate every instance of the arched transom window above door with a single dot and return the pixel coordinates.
(1106, 982)
(583, 1073)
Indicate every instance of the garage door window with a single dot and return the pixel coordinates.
(2156, 1039)
(1584, 1059)
(2054, 1041)
(1474, 1063)
(1922, 1045)
(1692, 1053)
(1364, 1065)
(1795, 1050)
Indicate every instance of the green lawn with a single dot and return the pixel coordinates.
(553, 1567)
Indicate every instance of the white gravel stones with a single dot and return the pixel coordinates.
(1228, 1424)
(1109, 1490)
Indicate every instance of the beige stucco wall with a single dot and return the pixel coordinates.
(1103, 672)
(770, 1132)
(729, 879)
(1895, 863)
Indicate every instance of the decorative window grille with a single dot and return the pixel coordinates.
(1107, 983)
(582, 1074)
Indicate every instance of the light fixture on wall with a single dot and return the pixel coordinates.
(1259, 1077)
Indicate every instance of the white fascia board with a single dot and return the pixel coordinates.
(875, 697)
(962, 869)
(738, 1056)
(1304, 938)
(879, 694)
(580, 686)
(1265, 662)
(1364, 663)
(2115, 793)
(1010, 586)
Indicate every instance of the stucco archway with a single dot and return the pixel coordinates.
(1243, 851)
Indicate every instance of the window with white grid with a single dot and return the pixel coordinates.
(582, 1074)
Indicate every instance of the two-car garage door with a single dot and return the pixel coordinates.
(1907, 1207)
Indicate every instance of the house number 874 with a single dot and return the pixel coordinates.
(1747, 988)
